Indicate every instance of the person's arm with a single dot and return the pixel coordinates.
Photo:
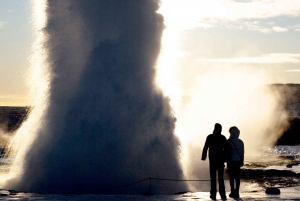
(205, 148)
(226, 150)
(243, 153)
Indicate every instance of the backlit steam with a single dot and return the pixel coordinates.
(204, 94)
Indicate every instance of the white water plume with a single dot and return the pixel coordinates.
(98, 120)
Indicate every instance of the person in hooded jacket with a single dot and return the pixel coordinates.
(235, 161)
(217, 145)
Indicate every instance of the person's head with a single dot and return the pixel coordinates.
(234, 132)
(217, 129)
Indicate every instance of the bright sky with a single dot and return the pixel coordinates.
(261, 34)
(15, 47)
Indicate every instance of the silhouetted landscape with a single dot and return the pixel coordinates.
(12, 117)
(291, 103)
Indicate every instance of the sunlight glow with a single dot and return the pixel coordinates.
(201, 97)
(263, 59)
(188, 14)
(206, 14)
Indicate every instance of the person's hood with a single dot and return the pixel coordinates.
(217, 129)
(234, 134)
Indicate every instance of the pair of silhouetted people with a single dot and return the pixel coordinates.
(221, 150)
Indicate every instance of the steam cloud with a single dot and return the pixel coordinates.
(106, 122)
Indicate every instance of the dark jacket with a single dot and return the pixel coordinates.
(218, 148)
(236, 147)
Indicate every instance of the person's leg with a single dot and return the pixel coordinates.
(213, 187)
(221, 180)
(237, 180)
(231, 178)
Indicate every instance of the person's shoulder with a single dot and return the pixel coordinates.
(210, 136)
(223, 137)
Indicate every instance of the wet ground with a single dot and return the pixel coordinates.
(277, 167)
(286, 194)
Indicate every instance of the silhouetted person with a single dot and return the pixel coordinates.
(235, 161)
(217, 146)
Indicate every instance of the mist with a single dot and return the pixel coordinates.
(116, 101)
(204, 93)
(99, 120)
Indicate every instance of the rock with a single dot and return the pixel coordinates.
(182, 192)
(273, 191)
(13, 192)
(148, 194)
(289, 166)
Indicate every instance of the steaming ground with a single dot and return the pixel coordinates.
(103, 123)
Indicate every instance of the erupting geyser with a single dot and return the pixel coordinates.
(100, 121)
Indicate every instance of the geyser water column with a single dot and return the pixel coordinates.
(104, 123)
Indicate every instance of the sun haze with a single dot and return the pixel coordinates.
(217, 58)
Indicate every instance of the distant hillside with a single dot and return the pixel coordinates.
(12, 117)
(291, 103)
(292, 135)
(290, 94)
